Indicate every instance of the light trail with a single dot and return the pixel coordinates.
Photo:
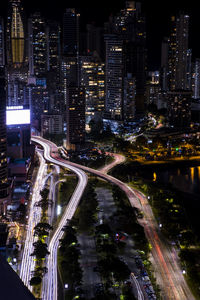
(139, 291)
(169, 272)
(28, 263)
(49, 288)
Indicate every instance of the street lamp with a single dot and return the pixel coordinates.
(65, 287)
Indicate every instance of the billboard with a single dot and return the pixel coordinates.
(17, 116)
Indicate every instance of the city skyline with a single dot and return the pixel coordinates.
(97, 91)
(157, 17)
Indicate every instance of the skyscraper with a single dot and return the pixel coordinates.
(114, 76)
(53, 46)
(2, 44)
(164, 64)
(3, 143)
(130, 26)
(172, 55)
(196, 79)
(179, 64)
(71, 32)
(125, 54)
(179, 68)
(16, 48)
(182, 32)
(179, 108)
(95, 40)
(75, 117)
(17, 65)
(92, 74)
(37, 45)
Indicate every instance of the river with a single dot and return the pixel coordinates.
(183, 179)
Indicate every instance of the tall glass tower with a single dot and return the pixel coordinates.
(15, 35)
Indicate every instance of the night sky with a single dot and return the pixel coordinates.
(158, 13)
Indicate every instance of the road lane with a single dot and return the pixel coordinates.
(49, 289)
(172, 281)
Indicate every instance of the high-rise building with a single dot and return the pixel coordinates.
(172, 55)
(196, 79)
(17, 68)
(189, 70)
(16, 86)
(182, 34)
(130, 25)
(164, 64)
(53, 46)
(71, 32)
(16, 35)
(3, 140)
(179, 55)
(2, 44)
(75, 117)
(114, 77)
(179, 108)
(95, 40)
(179, 72)
(128, 31)
(69, 70)
(39, 100)
(92, 74)
(51, 124)
(129, 97)
(37, 45)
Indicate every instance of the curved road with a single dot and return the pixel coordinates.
(172, 281)
(49, 290)
(118, 159)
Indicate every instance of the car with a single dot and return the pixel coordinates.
(145, 278)
(144, 273)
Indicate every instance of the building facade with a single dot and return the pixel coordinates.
(3, 138)
(75, 117)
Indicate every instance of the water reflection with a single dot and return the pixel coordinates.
(185, 179)
(192, 174)
(154, 176)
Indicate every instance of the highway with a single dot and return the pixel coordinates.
(171, 279)
(27, 263)
(49, 288)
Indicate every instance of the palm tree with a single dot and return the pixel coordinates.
(40, 250)
(42, 229)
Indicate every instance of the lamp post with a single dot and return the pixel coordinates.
(65, 287)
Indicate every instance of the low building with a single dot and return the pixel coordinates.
(51, 124)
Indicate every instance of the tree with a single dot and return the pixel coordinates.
(141, 141)
(44, 193)
(96, 128)
(103, 229)
(42, 229)
(44, 203)
(40, 250)
(35, 280)
(39, 271)
(120, 269)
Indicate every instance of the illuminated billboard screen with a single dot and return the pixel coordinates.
(17, 116)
